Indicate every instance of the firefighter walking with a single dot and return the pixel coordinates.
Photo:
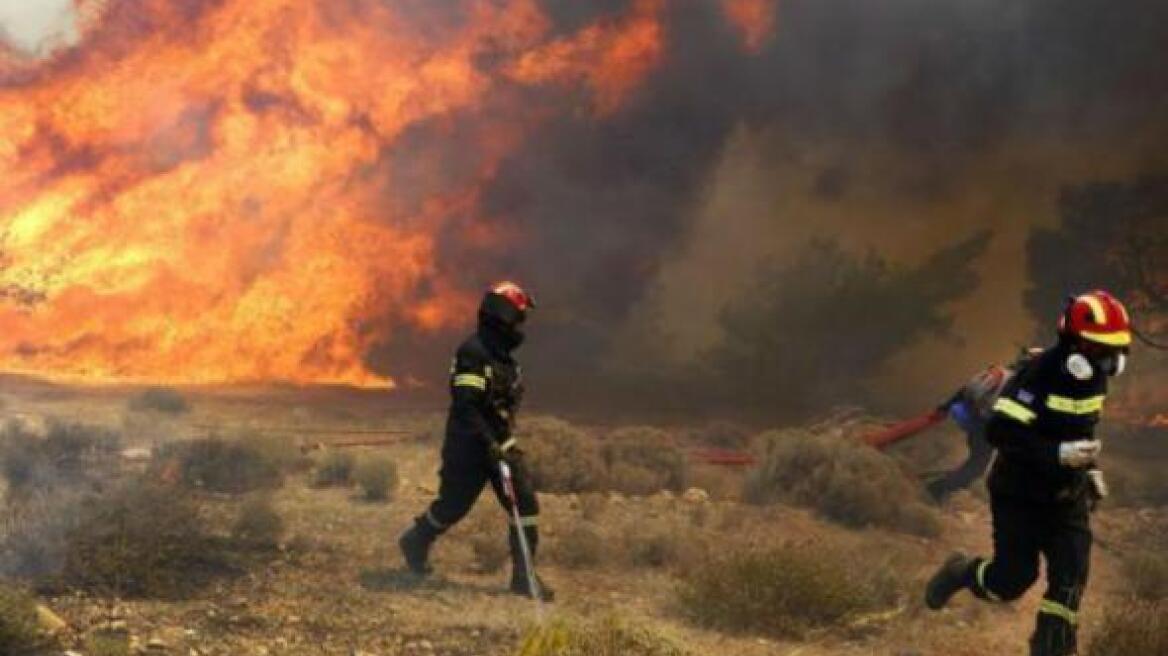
(1045, 480)
(486, 389)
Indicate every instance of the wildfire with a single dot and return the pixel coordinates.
(754, 20)
(227, 191)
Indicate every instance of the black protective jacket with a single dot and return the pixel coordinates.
(1051, 400)
(486, 388)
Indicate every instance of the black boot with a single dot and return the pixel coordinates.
(1053, 636)
(955, 575)
(520, 584)
(415, 545)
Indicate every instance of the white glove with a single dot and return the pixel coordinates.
(1079, 454)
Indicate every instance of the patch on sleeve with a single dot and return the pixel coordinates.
(1025, 396)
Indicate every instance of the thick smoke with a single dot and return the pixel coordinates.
(902, 126)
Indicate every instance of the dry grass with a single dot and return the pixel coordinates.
(1147, 572)
(582, 546)
(786, 591)
(606, 637)
(843, 481)
(335, 469)
(258, 525)
(377, 478)
(1133, 629)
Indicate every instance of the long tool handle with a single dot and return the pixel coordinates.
(524, 549)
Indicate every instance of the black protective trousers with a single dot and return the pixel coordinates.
(467, 467)
(1061, 534)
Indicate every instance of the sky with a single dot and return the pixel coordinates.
(29, 22)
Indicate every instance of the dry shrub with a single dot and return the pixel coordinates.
(593, 505)
(1135, 628)
(644, 460)
(228, 465)
(68, 454)
(581, 547)
(722, 435)
(491, 552)
(661, 544)
(606, 637)
(377, 477)
(1147, 572)
(258, 525)
(842, 480)
(141, 540)
(20, 629)
(487, 534)
(562, 457)
(335, 470)
(34, 530)
(784, 591)
(166, 400)
(108, 643)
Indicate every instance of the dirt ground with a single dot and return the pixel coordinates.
(337, 585)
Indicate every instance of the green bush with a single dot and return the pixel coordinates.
(784, 591)
(562, 457)
(842, 480)
(232, 466)
(335, 470)
(644, 460)
(141, 540)
(607, 637)
(166, 400)
(20, 630)
(1136, 628)
(258, 525)
(378, 479)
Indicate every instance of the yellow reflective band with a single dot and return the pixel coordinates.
(1015, 410)
(981, 572)
(528, 522)
(470, 380)
(509, 444)
(1075, 406)
(1119, 338)
(1048, 607)
(1096, 305)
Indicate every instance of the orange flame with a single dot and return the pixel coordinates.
(190, 195)
(754, 20)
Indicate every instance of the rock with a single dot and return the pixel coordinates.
(156, 644)
(696, 495)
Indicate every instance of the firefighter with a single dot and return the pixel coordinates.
(1045, 481)
(486, 389)
(971, 409)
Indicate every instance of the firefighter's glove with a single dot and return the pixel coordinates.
(1079, 454)
(507, 451)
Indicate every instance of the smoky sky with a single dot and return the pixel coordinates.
(939, 85)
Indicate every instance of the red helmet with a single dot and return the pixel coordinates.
(1097, 317)
(506, 302)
